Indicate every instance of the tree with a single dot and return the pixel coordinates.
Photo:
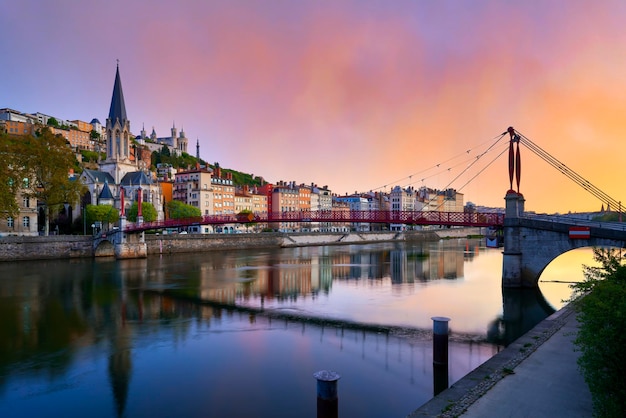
(248, 216)
(12, 173)
(148, 212)
(47, 161)
(53, 122)
(104, 214)
(179, 210)
(601, 338)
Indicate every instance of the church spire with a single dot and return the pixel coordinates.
(118, 107)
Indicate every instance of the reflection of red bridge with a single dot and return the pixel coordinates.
(353, 216)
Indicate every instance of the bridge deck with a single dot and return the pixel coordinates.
(353, 216)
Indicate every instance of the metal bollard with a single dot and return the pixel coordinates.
(327, 400)
(440, 354)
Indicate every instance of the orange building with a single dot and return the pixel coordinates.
(167, 189)
(83, 126)
(223, 192)
(78, 140)
(18, 128)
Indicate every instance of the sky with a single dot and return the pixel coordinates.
(357, 95)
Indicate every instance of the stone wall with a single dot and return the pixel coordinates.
(187, 243)
(72, 246)
(39, 248)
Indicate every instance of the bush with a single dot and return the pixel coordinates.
(602, 334)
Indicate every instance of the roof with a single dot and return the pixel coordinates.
(136, 178)
(106, 192)
(99, 176)
(117, 110)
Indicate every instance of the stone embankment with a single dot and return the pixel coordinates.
(73, 246)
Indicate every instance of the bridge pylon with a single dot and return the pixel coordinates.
(512, 276)
(130, 245)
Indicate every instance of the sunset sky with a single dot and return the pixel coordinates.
(354, 94)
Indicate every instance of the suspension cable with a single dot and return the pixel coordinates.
(568, 172)
(470, 165)
(497, 138)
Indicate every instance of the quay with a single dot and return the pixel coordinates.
(536, 376)
(13, 248)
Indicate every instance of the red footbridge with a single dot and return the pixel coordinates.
(333, 217)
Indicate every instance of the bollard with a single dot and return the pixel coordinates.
(327, 401)
(440, 339)
(440, 354)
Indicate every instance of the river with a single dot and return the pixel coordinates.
(240, 333)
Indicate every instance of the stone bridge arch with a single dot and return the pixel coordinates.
(531, 244)
(104, 248)
(104, 243)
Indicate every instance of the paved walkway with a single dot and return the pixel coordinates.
(536, 376)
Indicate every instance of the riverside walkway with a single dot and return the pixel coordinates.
(536, 376)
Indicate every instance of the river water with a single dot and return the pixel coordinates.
(241, 333)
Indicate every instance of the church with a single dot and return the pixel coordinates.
(177, 144)
(124, 166)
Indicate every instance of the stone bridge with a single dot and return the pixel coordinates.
(120, 243)
(532, 242)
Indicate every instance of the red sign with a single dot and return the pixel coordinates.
(579, 232)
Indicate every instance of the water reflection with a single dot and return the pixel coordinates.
(137, 327)
(522, 310)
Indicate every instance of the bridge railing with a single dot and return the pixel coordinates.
(577, 221)
(330, 216)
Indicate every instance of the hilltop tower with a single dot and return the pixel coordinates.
(174, 138)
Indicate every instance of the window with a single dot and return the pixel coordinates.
(26, 222)
(10, 222)
(26, 201)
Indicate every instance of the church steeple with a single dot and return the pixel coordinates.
(117, 111)
(118, 161)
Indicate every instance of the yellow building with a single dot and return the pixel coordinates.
(25, 223)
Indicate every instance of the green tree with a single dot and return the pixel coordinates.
(12, 173)
(53, 122)
(148, 212)
(608, 217)
(601, 337)
(47, 160)
(90, 156)
(247, 214)
(103, 214)
(179, 210)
